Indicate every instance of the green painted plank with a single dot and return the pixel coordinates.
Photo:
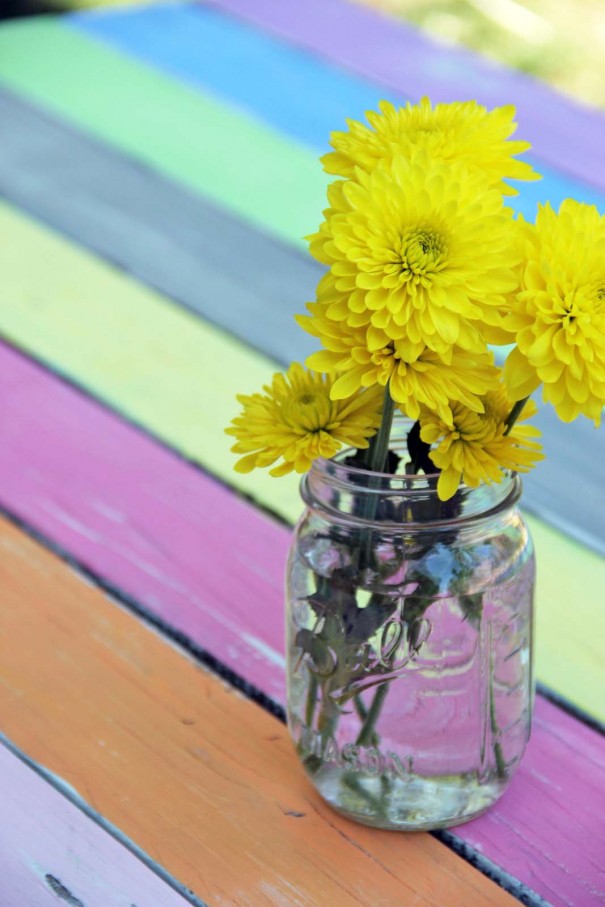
(223, 153)
(172, 373)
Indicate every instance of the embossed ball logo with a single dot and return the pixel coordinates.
(362, 664)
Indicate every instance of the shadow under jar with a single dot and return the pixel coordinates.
(409, 644)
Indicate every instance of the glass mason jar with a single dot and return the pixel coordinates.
(409, 644)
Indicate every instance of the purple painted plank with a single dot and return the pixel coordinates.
(211, 566)
(562, 132)
(51, 852)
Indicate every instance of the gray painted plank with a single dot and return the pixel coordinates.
(139, 220)
(182, 245)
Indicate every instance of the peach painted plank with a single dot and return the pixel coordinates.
(50, 850)
(208, 565)
(203, 780)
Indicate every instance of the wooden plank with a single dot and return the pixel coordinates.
(147, 524)
(181, 385)
(206, 782)
(100, 90)
(153, 228)
(301, 95)
(50, 850)
(569, 136)
(192, 137)
(297, 93)
(181, 245)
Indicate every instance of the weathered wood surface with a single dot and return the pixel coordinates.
(300, 94)
(81, 315)
(77, 78)
(190, 135)
(569, 136)
(170, 238)
(183, 246)
(204, 781)
(50, 851)
(101, 90)
(208, 565)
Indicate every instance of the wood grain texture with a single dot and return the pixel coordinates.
(51, 851)
(214, 791)
(80, 314)
(230, 155)
(168, 237)
(189, 135)
(181, 245)
(568, 135)
(298, 93)
(210, 566)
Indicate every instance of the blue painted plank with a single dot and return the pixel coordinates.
(300, 95)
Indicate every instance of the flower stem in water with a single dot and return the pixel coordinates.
(365, 735)
(311, 700)
(363, 714)
(499, 755)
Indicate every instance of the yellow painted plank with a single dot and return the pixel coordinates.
(178, 377)
(203, 780)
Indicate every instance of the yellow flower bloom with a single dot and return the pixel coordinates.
(460, 132)
(559, 315)
(295, 420)
(474, 448)
(366, 357)
(421, 250)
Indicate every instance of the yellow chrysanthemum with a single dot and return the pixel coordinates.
(366, 357)
(559, 315)
(421, 250)
(461, 132)
(474, 448)
(296, 420)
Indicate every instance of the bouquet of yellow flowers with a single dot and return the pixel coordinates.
(427, 272)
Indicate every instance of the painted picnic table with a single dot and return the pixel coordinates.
(158, 168)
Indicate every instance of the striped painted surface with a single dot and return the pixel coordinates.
(568, 136)
(188, 134)
(301, 95)
(171, 388)
(204, 564)
(162, 137)
(51, 851)
(101, 199)
(204, 780)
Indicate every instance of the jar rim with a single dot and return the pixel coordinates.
(330, 484)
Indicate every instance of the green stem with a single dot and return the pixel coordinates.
(363, 714)
(376, 455)
(499, 755)
(375, 461)
(514, 414)
(365, 734)
(311, 700)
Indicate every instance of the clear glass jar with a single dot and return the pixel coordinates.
(409, 644)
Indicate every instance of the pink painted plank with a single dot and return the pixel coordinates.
(51, 852)
(211, 566)
(565, 134)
